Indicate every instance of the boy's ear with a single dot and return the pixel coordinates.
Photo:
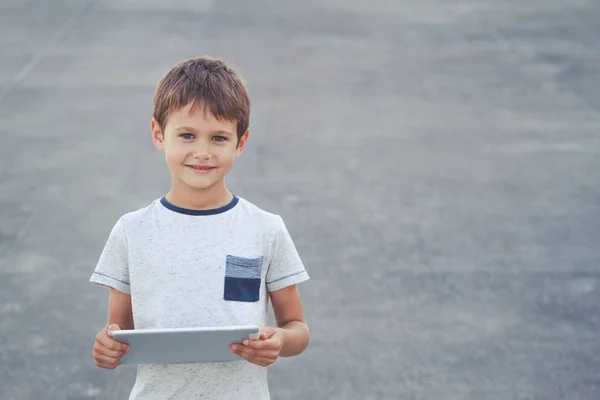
(158, 136)
(242, 143)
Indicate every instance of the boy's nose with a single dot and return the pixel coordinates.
(202, 151)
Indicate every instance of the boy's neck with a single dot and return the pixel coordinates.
(210, 198)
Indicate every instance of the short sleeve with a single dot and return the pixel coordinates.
(112, 269)
(285, 266)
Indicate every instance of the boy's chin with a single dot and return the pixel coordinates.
(194, 184)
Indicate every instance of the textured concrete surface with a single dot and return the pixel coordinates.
(436, 162)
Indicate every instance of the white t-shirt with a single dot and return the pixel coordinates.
(196, 268)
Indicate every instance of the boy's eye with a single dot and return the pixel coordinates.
(187, 135)
(219, 138)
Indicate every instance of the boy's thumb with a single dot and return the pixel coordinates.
(111, 328)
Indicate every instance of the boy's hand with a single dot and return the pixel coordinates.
(107, 351)
(263, 352)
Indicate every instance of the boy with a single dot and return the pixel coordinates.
(201, 256)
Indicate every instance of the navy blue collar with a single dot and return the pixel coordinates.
(188, 211)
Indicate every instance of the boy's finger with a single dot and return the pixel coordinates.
(262, 361)
(242, 354)
(105, 351)
(267, 332)
(105, 361)
(117, 349)
(252, 355)
(118, 346)
(106, 339)
(114, 345)
(112, 327)
(247, 351)
(260, 344)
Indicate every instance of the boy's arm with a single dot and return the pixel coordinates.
(107, 351)
(290, 320)
(119, 309)
(290, 338)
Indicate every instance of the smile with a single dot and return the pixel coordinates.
(202, 169)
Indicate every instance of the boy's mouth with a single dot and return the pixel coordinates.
(201, 168)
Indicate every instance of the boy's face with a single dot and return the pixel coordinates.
(199, 148)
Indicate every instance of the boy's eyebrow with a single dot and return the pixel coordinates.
(185, 128)
(216, 132)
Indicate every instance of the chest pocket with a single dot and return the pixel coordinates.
(242, 279)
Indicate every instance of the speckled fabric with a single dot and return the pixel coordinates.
(193, 269)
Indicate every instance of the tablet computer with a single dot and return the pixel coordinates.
(183, 345)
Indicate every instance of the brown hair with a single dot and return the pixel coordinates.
(208, 82)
